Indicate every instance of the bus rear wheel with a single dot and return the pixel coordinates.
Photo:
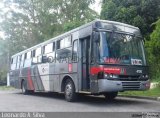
(110, 95)
(23, 88)
(70, 94)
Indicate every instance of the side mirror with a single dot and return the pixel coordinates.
(96, 37)
(44, 59)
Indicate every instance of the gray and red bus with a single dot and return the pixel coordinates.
(99, 58)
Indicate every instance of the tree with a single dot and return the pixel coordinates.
(153, 49)
(3, 60)
(143, 14)
(33, 21)
(29, 22)
(140, 13)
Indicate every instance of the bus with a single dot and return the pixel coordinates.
(99, 58)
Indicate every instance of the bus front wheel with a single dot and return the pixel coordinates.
(110, 95)
(70, 94)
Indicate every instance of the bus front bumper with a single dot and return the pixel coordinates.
(105, 85)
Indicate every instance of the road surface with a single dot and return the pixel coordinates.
(14, 101)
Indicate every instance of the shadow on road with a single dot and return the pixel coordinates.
(92, 100)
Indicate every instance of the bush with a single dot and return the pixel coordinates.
(153, 52)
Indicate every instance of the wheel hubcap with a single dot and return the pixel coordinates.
(69, 90)
(23, 88)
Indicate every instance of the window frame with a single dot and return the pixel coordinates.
(73, 45)
(52, 44)
(58, 42)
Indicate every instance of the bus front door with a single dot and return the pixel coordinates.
(85, 47)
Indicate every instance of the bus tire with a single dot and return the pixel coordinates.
(110, 95)
(23, 88)
(70, 94)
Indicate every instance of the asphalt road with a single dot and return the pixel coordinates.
(14, 101)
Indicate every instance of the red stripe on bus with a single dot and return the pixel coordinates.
(95, 70)
(110, 70)
(70, 67)
(30, 82)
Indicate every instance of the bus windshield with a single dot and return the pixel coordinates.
(121, 48)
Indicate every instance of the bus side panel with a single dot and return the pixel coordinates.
(14, 79)
(43, 70)
(36, 78)
(61, 68)
(76, 65)
(72, 73)
(26, 76)
(75, 76)
(54, 78)
(65, 69)
(32, 78)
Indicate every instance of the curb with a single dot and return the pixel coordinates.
(141, 97)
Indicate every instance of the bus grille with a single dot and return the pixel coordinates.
(131, 85)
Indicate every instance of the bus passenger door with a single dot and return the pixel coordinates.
(85, 47)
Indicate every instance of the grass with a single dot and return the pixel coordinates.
(6, 88)
(149, 93)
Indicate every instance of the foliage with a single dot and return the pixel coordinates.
(29, 22)
(6, 88)
(153, 49)
(150, 93)
(33, 21)
(3, 60)
(140, 13)
(143, 14)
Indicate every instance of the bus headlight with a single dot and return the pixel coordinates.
(144, 76)
(110, 76)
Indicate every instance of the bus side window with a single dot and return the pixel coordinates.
(39, 54)
(34, 59)
(27, 61)
(18, 62)
(54, 46)
(33, 53)
(13, 65)
(63, 54)
(67, 41)
(58, 44)
(22, 61)
(36, 55)
(64, 49)
(49, 52)
(11, 60)
(75, 51)
(48, 48)
(28, 55)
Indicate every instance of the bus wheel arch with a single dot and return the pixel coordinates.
(23, 87)
(64, 80)
(22, 83)
(68, 87)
